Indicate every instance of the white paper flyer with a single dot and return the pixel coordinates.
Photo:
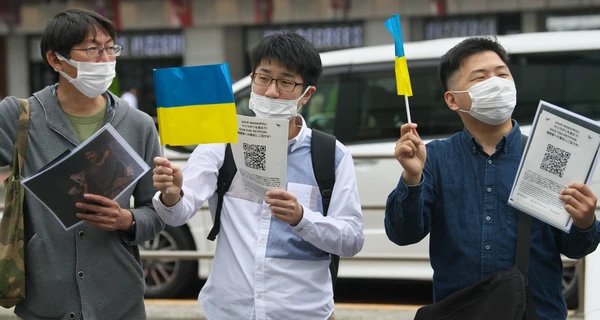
(562, 148)
(261, 153)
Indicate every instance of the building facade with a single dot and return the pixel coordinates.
(166, 33)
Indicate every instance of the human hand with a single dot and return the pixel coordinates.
(77, 177)
(285, 206)
(106, 214)
(167, 178)
(411, 153)
(580, 203)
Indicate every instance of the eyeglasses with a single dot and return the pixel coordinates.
(96, 51)
(264, 80)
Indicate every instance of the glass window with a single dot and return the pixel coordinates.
(381, 112)
(567, 79)
(320, 111)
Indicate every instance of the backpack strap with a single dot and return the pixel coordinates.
(322, 151)
(523, 233)
(226, 174)
(523, 249)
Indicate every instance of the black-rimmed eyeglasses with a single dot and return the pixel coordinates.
(96, 51)
(264, 80)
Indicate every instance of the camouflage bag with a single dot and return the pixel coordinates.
(12, 237)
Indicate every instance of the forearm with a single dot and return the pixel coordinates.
(147, 224)
(406, 220)
(579, 243)
(340, 236)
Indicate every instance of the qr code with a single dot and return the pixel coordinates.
(254, 156)
(555, 160)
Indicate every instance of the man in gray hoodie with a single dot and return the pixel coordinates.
(92, 271)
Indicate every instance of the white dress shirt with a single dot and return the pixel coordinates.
(264, 268)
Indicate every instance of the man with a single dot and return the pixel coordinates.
(92, 271)
(458, 188)
(131, 97)
(272, 256)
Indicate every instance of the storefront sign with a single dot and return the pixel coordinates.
(438, 29)
(323, 37)
(468, 26)
(151, 45)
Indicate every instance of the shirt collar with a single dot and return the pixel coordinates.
(296, 141)
(505, 144)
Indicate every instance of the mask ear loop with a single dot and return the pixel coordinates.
(296, 117)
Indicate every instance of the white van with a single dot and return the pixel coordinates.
(356, 101)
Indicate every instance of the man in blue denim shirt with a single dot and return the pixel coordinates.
(458, 188)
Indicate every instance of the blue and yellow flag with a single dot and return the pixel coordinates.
(195, 105)
(402, 77)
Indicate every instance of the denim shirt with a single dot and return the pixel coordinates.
(462, 202)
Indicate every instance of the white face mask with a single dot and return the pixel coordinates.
(265, 107)
(93, 78)
(493, 100)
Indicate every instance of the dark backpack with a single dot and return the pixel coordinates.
(323, 166)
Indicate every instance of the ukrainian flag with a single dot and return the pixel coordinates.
(195, 105)
(402, 77)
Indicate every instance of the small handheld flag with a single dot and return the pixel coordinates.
(195, 105)
(402, 78)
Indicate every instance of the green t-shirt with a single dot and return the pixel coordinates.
(84, 127)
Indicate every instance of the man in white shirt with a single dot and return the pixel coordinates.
(272, 257)
(131, 97)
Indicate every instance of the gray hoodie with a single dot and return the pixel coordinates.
(84, 272)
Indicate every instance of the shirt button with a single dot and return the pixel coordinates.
(72, 315)
(80, 274)
(267, 214)
(489, 189)
(259, 268)
(81, 234)
(490, 161)
(300, 229)
(258, 297)
(488, 218)
(487, 247)
(262, 241)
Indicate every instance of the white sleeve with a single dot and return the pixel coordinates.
(341, 231)
(199, 184)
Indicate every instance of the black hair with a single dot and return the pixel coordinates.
(71, 27)
(452, 60)
(292, 51)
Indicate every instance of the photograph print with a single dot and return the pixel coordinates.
(103, 165)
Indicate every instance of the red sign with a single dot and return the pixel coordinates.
(180, 13)
(263, 11)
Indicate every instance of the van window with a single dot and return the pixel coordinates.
(320, 111)
(362, 106)
(567, 79)
(380, 111)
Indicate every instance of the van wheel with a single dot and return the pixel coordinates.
(169, 278)
(569, 287)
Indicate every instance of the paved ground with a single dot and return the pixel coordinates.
(189, 309)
